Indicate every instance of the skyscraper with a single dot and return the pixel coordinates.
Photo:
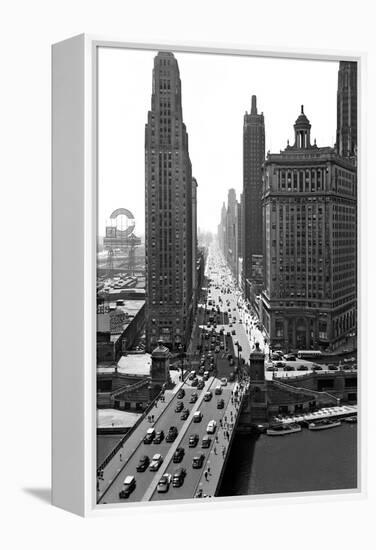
(347, 128)
(253, 158)
(309, 213)
(169, 205)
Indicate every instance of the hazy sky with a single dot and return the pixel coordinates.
(216, 92)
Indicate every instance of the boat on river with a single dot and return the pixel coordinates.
(323, 424)
(283, 429)
(351, 419)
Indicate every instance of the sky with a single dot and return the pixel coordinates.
(216, 93)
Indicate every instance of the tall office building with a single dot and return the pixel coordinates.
(231, 231)
(347, 128)
(309, 215)
(169, 212)
(253, 158)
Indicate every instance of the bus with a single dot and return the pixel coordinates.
(309, 354)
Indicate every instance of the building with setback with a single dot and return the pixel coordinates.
(253, 158)
(170, 206)
(309, 215)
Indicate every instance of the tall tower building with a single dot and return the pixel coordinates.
(169, 212)
(347, 128)
(253, 158)
(231, 231)
(309, 214)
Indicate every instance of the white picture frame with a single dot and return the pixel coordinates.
(74, 207)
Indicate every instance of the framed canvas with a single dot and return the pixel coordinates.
(205, 290)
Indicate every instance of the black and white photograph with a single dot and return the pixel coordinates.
(227, 276)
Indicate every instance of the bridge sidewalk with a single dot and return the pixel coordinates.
(212, 470)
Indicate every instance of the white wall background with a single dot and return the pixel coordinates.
(27, 29)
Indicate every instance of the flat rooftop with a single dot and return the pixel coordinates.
(138, 363)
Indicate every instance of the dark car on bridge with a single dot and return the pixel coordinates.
(316, 367)
(150, 434)
(181, 393)
(179, 407)
(301, 367)
(208, 395)
(193, 440)
(198, 461)
(178, 478)
(172, 434)
(184, 414)
(129, 486)
(220, 404)
(178, 455)
(291, 368)
(206, 442)
(156, 461)
(194, 397)
(164, 483)
(159, 437)
(143, 464)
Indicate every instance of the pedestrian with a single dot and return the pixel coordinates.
(206, 475)
(121, 457)
(152, 417)
(148, 418)
(215, 448)
(208, 469)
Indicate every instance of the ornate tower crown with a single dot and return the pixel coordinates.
(302, 129)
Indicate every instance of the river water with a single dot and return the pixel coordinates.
(304, 461)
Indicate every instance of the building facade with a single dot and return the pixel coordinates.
(231, 232)
(309, 215)
(253, 158)
(169, 212)
(347, 127)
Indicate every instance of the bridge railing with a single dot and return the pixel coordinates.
(120, 444)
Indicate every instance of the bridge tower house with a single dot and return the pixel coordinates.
(160, 367)
(258, 402)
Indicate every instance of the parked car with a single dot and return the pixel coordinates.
(156, 461)
(181, 393)
(143, 464)
(198, 461)
(129, 486)
(231, 376)
(184, 414)
(193, 440)
(178, 455)
(218, 390)
(164, 483)
(223, 381)
(200, 385)
(220, 404)
(194, 382)
(332, 367)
